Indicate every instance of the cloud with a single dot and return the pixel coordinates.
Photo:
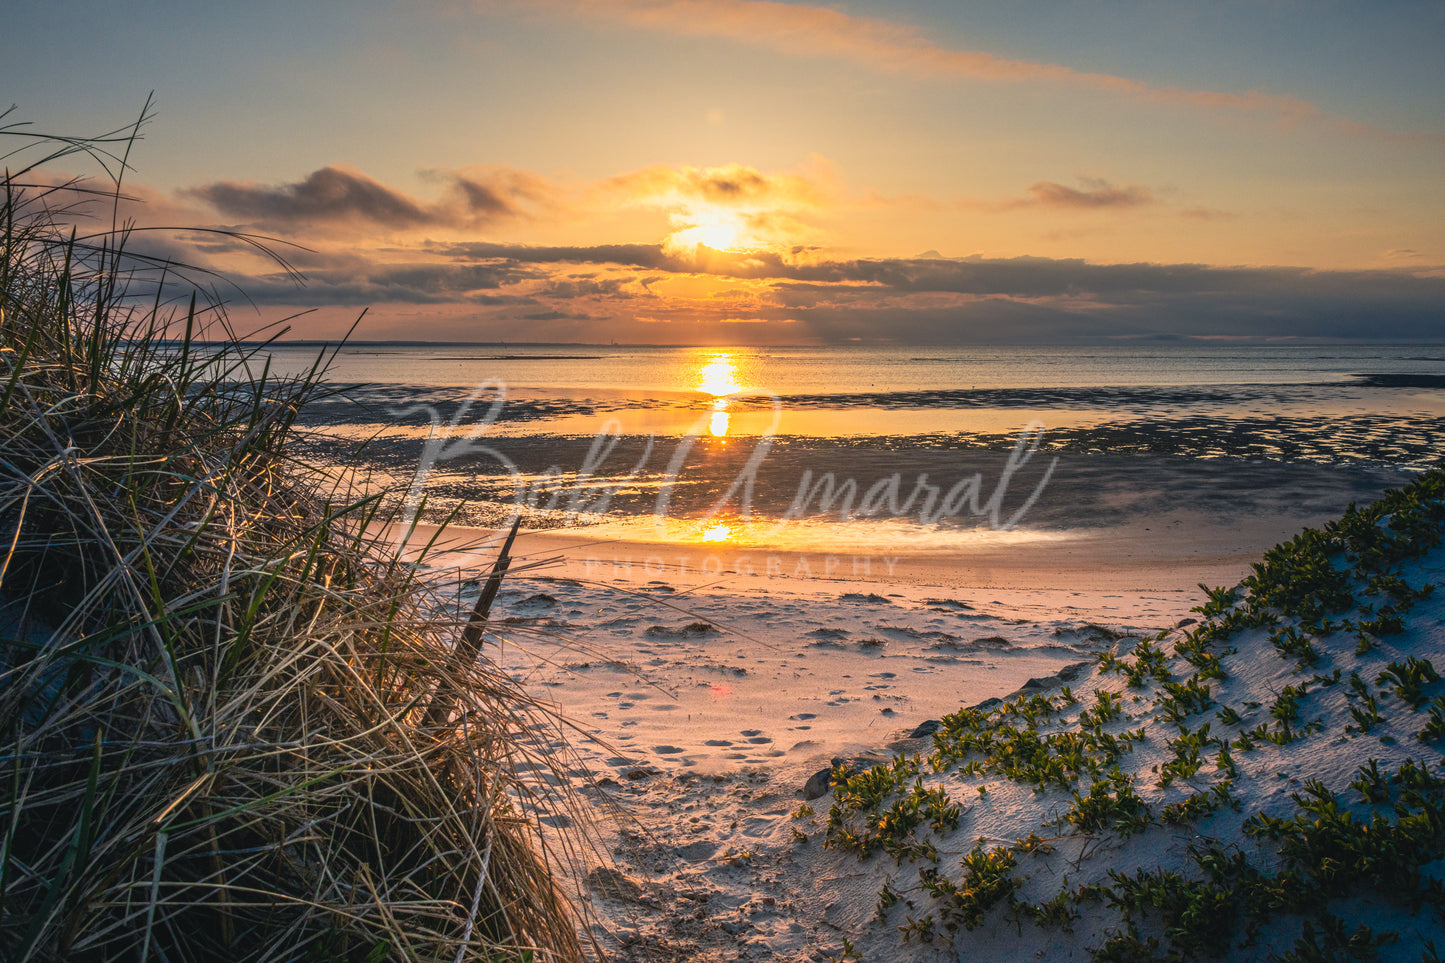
(732, 185)
(801, 29)
(570, 288)
(908, 300)
(1018, 277)
(1095, 194)
(341, 195)
(359, 282)
(557, 316)
(1207, 214)
(329, 194)
(638, 255)
(732, 207)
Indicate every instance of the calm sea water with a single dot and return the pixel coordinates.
(1119, 433)
(845, 370)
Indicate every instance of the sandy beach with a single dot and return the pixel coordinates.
(719, 620)
(706, 690)
(708, 658)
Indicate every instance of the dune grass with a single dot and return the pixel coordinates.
(214, 681)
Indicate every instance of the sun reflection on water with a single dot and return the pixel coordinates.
(719, 376)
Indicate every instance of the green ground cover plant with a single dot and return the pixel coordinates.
(1223, 736)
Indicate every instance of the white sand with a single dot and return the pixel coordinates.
(708, 698)
(674, 660)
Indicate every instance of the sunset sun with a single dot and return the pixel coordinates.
(718, 229)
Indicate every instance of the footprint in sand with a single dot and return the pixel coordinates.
(803, 716)
(718, 742)
(668, 750)
(698, 851)
(760, 740)
(751, 732)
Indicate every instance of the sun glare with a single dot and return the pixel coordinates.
(719, 376)
(718, 229)
(717, 533)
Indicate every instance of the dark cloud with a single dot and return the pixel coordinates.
(389, 284)
(557, 316)
(342, 195)
(568, 288)
(331, 193)
(1093, 195)
(483, 198)
(636, 255)
(922, 300)
(729, 184)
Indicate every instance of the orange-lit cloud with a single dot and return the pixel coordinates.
(728, 208)
(890, 45)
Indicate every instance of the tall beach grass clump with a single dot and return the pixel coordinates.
(215, 684)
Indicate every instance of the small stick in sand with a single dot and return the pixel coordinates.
(470, 644)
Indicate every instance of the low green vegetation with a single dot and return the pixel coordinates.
(1183, 745)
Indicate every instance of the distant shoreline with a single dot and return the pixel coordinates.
(1193, 342)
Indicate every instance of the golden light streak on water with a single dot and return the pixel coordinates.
(719, 376)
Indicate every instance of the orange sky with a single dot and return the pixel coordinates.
(742, 171)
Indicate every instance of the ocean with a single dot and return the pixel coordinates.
(842, 370)
(814, 447)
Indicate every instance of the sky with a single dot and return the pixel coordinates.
(757, 172)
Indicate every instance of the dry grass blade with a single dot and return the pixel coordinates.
(213, 685)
